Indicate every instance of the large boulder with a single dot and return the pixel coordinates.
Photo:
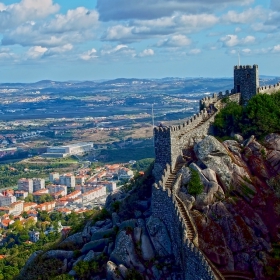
(215, 156)
(59, 254)
(187, 199)
(97, 245)
(159, 236)
(272, 143)
(102, 234)
(146, 245)
(125, 253)
(186, 175)
(75, 239)
(132, 223)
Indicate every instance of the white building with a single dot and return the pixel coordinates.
(17, 207)
(7, 200)
(68, 180)
(54, 177)
(125, 173)
(38, 184)
(74, 149)
(21, 194)
(57, 188)
(25, 185)
(93, 194)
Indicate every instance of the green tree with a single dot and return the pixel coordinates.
(29, 198)
(228, 119)
(262, 115)
(195, 187)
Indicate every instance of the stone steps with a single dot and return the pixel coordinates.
(173, 175)
(190, 229)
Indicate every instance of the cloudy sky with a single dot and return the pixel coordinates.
(105, 39)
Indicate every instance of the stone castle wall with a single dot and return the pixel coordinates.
(169, 141)
(187, 255)
(269, 89)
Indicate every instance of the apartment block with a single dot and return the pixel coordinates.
(25, 185)
(38, 184)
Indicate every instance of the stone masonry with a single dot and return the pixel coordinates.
(246, 81)
(169, 145)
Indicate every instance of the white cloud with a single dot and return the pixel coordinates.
(233, 40)
(175, 41)
(248, 16)
(246, 51)
(74, 27)
(91, 54)
(197, 22)
(262, 27)
(146, 52)
(58, 50)
(117, 52)
(78, 19)
(26, 10)
(276, 49)
(36, 52)
(145, 29)
(7, 54)
(118, 32)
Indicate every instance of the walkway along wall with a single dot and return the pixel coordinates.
(187, 255)
(169, 141)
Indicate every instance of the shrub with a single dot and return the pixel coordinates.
(195, 186)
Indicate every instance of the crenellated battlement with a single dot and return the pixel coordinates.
(255, 66)
(269, 89)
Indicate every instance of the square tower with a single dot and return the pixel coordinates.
(246, 81)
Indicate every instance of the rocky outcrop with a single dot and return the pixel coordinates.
(159, 236)
(236, 209)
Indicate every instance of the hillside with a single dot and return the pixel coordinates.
(236, 215)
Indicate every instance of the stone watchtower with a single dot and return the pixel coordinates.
(246, 81)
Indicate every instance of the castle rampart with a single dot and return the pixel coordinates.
(187, 255)
(269, 89)
(169, 144)
(169, 141)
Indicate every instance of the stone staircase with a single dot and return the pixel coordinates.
(172, 177)
(190, 230)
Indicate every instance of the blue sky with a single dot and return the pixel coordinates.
(105, 39)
